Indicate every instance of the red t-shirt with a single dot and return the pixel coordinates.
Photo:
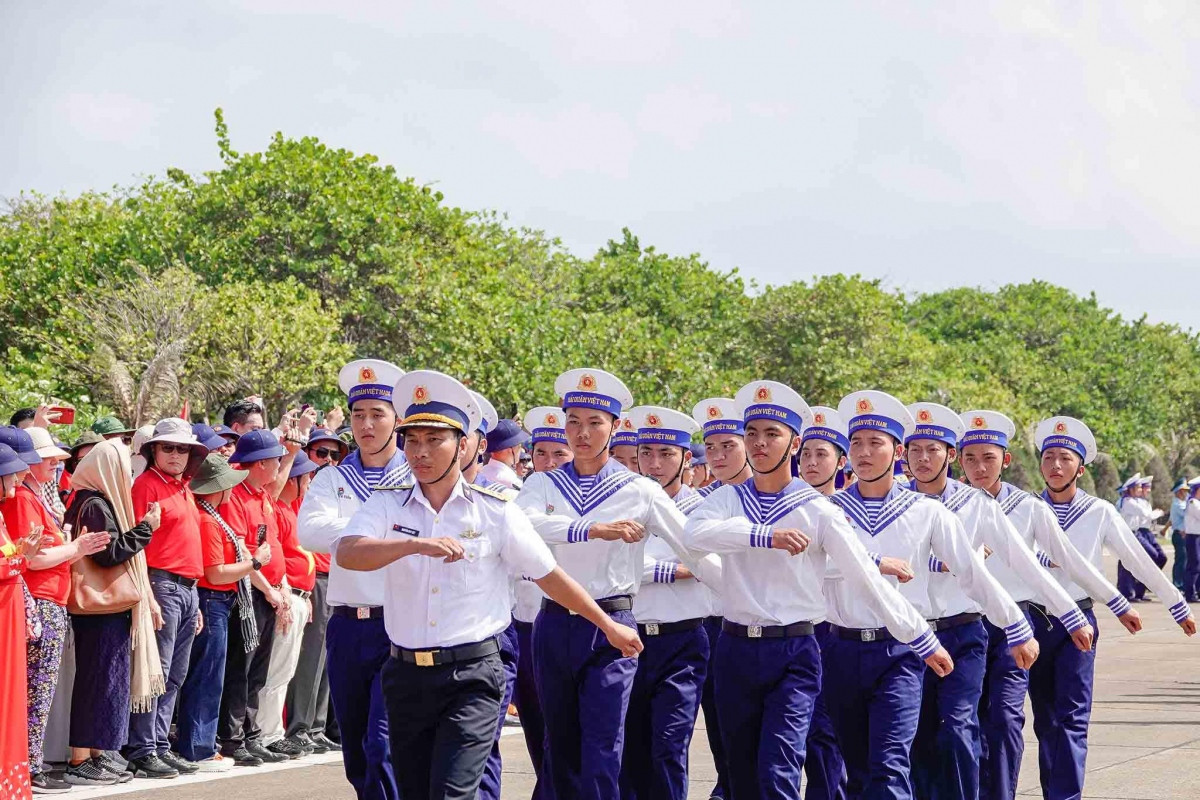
(24, 510)
(299, 563)
(246, 510)
(216, 549)
(175, 546)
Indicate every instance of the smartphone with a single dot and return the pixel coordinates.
(262, 534)
(66, 415)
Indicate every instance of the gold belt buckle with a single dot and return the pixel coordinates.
(652, 629)
(363, 613)
(424, 658)
(754, 631)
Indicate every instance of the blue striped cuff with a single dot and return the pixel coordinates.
(878, 559)
(1073, 620)
(925, 645)
(1180, 611)
(1044, 560)
(578, 531)
(760, 535)
(1119, 606)
(1019, 632)
(664, 571)
(935, 565)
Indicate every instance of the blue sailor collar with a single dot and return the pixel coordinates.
(898, 500)
(611, 477)
(1078, 506)
(397, 471)
(687, 499)
(768, 509)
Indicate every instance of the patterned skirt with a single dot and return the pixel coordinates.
(44, 657)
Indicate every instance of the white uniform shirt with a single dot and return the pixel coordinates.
(765, 586)
(1038, 527)
(1191, 518)
(333, 497)
(1091, 524)
(562, 510)
(1012, 562)
(1137, 513)
(429, 603)
(663, 598)
(916, 529)
(499, 472)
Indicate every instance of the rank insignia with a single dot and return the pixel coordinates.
(470, 533)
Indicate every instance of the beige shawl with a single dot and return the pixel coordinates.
(106, 469)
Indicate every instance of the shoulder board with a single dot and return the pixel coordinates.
(489, 492)
(395, 487)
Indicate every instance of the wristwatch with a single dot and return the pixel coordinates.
(255, 564)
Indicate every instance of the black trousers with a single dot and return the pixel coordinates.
(308, 694)
(245, 676)
(442, 721)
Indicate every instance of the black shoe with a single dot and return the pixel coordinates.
(173, 759)
(110, 767)
(305, 744)
(88, 774)
(42, 783)
(312, 745)
(256, 749)
(152, 767)
(321, 740)
(243, 758)
(285, 748)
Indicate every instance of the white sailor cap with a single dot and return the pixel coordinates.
(773, 401)
(986, 427)
(368, 379)
(937, 422)
(487, 413)
(827, 424)
(626, 433)
(1193, 483)
(658, 425)
(1066, 432)
(594, 389)
(430, 399)
(1147, 480)
(1133, 480)
(877, 411)
(546, 424)
(719, 415)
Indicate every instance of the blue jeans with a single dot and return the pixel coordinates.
(200, 697)
(148, 731)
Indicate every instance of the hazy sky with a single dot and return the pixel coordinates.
(980, 144)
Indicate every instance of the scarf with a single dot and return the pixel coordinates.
(244, 602)
(48, 494)
(106, 470)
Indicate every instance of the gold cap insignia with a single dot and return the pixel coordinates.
(713, 412)
(420, 396)
(763, 395)
(864, 406)
(819, 418)
(978, 422)
(587, 383)
(366, 375)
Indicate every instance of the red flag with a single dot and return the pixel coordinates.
(184, 414)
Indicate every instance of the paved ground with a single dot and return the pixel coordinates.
(1145, 734)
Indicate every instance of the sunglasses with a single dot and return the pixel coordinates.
(323, 452)
(170, 449)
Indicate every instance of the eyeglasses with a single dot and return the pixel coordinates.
(322, 452)
(169, 449)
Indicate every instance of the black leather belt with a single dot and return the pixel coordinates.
(447, 655)
(862, 634)
(367, 612)
(767, 631)
(303, 594)
(1085, 604)
(944, 623)
(663, 628)
(187, 583)
(608, 605)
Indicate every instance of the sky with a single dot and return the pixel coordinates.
(969, 144)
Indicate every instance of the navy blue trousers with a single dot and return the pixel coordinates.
(1002, 717)
(1060, 693)
(874, 699)
(584, 684)
(766, 692)
(1130, 587)
(1179, 565)
(489, 784)
(662, 715)
(200, 695)
(356, 650)
(529, 706)
(824, 769)
(947, 749)
(1191, 575)
(712, 722)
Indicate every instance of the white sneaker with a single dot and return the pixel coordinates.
(217, 763)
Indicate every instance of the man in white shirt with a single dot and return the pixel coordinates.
(355, 641)
(446, 549)
(504, 444)
(1061, 683)
(775, 535)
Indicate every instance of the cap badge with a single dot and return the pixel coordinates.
(420, 396)
(763, 395)
(587, 383)
(863, 406)
(653, 421)
(713, 412)
(819, 418)
(366, 374)
(978, 422)
(1060, 427)
(627, 424)
(923, 415)
(552, 419)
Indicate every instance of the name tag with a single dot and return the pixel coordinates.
(406, 531)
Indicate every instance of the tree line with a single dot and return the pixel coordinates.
(267, 274)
